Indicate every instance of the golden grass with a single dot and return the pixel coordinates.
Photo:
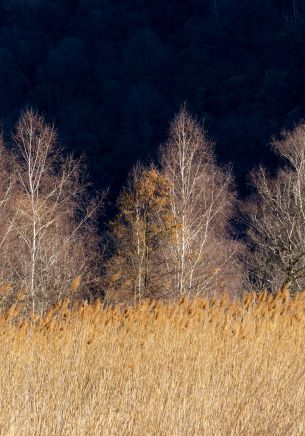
(202, 367)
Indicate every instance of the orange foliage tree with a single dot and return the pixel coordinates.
(141, 230)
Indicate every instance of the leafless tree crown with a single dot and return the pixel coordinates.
(201, 257)
(276, 218)
(48, 234)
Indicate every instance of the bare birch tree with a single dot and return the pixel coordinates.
(7, 185)
(276, 218)
(52, 235)
(201, 257)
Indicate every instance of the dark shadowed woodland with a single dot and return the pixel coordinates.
(111, 74)
(187, 117)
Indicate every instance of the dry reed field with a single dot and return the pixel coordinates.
(210, 367)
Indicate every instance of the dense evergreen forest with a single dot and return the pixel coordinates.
(112, 73)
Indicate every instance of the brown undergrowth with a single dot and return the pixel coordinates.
(210, 367)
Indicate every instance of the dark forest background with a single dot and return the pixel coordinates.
(111, 74)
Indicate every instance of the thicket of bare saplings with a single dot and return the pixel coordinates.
(48, 236)
(173, 230)
(172, 235)
(275, 217)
